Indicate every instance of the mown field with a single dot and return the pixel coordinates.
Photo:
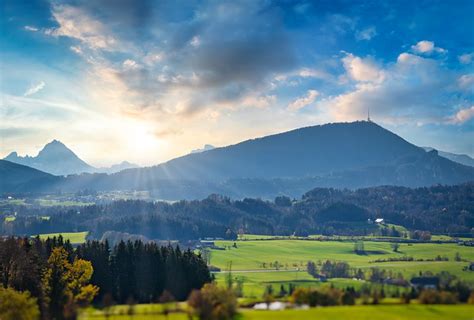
(384, 312)
(251, 261)
(73, 237)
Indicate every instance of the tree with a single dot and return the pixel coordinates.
(457, 257)
(165, 299)
(55, 282)
(311, 268)
(66, 284)
(131, 307)
(206, 255)
(395, 246)
(359, 247)
(213, 303)
(16, 305)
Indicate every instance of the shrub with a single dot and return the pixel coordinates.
(16, 305)
(213, 303)
(321, 297)
(437, 297)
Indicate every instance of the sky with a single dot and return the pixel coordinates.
(147, 81)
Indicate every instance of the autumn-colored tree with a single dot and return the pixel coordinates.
(66, 284)
(16, 305)
(213, 303)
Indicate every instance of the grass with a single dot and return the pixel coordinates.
(73, 237)
(399, 312)
(256, 282)
(249, 256)
(62, 203)
(383, 312)
(10, 218)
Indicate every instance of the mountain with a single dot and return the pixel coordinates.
(54, 158)
(206, 147)
(341, 155)
(459, 158)
(57, 159)
(116, 167)
(16, 177)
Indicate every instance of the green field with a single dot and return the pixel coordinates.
(399, 312)
(249, 257)
(384, 312)
(73, 237)
(62, 203)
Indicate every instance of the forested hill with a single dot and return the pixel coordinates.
(341, 155)
(438, 209)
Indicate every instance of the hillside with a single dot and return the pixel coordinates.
(19, 178)
(340, 155)
(352, 155)
(54, 158)
(459, 158)
(57, 159)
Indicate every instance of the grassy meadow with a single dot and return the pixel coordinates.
(385, 312)
(73, 237)
(251, 261)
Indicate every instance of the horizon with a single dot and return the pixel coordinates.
(202, 149)
(115, 84)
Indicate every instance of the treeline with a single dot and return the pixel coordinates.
(143, 271)
(63, 278)
(438, 209)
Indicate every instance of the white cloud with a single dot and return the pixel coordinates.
(427, 47)
(75, 23)
(363, 70)
(314, 73)
(366, 34)
(30, 28)
(259, 101)
(466, 58)
(34, 88)
(302, 102)
(195, 41)
(411, 90)
(462, 116)
(130, 64)
(76, 49)
(466, 82)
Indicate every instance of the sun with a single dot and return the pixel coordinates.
(141, 141)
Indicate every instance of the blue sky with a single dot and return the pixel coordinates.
(147, 81)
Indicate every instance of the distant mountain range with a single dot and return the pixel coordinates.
(206, 147)
(459, 158)
(57, 159)
(341, 155)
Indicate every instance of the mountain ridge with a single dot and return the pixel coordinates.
(340, 155)
(57, 159)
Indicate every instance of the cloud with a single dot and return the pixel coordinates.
(466, 58)
(179, 64)
(427, 47)
(34, 88)
(466, 82)
(366, 34)
(362, 69)
(30, 28)
(304, 101)
(462, 116)
(413, 89)
(76, 23)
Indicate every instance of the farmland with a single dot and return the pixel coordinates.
(73, 237)
(386, 312)
(254, 261)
